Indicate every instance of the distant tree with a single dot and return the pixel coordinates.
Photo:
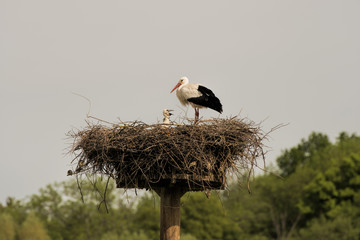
(15, 208)
(297, 156)
(328, 190)
(248, 211)
(48, 207)
(206, 218)
(7, 227)
(147, 216)
(271, 209)
(92, 218)
(319, 178)
(126, 235)
(341, 227)
(139, 235)
(110, 236)
(339, 182)
(32, 229)
(187, 236)
(66, 217)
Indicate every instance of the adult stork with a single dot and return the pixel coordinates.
(197, 96)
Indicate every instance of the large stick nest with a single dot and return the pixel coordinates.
(195, 156)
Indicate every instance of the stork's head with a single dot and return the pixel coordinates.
(182, 81)
(167, 113)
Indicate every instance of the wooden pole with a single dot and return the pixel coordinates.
(170, 212)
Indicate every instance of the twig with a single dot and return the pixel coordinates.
(88, 113)
(79, 187)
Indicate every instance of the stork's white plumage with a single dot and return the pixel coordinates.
(197, 96)
(166, 113)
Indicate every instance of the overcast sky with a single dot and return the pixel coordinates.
(295, 62)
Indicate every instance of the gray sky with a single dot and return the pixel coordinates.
(295, 62)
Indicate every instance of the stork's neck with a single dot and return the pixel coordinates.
(166, 120)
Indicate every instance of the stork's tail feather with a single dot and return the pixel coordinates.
(214, 103)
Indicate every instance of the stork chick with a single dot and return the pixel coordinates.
(167, 113)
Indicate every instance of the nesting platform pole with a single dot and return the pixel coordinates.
(170, 211)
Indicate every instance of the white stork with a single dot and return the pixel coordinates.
(197, 96)
(166, 113)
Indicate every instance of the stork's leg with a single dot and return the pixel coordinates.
(196, 115)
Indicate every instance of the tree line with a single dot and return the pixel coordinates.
(314, 194)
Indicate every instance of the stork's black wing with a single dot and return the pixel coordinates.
(207, 99)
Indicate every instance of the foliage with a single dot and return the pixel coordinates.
(338, 183)
(125, 235)
(303, 153)
(188, 236)
(32, 229)
(341, 227)
(271, 209)
(205, 218)
(7, 227)
(147, 216)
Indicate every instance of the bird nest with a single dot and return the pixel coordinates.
(193, 156)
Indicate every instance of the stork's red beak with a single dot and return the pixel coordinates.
(177, 85)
